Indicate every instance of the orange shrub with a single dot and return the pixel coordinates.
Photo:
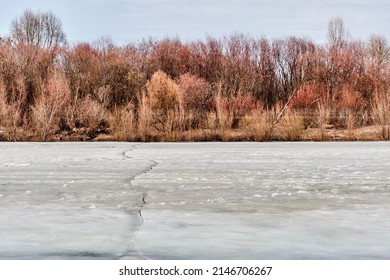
(163, 92)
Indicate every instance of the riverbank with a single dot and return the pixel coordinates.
(326, 133)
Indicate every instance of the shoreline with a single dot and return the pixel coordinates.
(326, 134)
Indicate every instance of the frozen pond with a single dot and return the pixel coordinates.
(195, 200)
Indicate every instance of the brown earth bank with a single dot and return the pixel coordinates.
(326, 133)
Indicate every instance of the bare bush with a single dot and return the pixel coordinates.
(195, 99)
(92, 116)
(46, 112)
(122, 79)
(11, 110)
(83, 70)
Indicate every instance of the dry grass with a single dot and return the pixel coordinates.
(322, 118)
(291, 127)
(145, 117)
(256, 125)
(350, 124)
(171, 129)
(381, 114)
(224, 115)
(122, 124)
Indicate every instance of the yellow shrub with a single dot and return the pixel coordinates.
(163, 92)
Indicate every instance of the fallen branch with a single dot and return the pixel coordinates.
(280, 115)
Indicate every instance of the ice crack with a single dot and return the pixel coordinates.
(153, 164)
(147, 169)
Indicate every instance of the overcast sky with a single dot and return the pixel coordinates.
(131, 20)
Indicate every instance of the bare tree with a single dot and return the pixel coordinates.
(337, 34)
(379, 49)
(41, 29)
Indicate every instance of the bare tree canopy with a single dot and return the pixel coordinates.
(379, 48)
(337, 34)
(42, 29)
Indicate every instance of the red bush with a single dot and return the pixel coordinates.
(308, 95)
(350, 99)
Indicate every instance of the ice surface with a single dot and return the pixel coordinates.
(195, 200)
(266, 201)
(68, 200)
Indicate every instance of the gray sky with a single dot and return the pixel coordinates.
(131, 20)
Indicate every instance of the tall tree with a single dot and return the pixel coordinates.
(379, 49)
(41, 29)
(337, 34)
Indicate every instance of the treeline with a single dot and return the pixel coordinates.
(235, 88)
